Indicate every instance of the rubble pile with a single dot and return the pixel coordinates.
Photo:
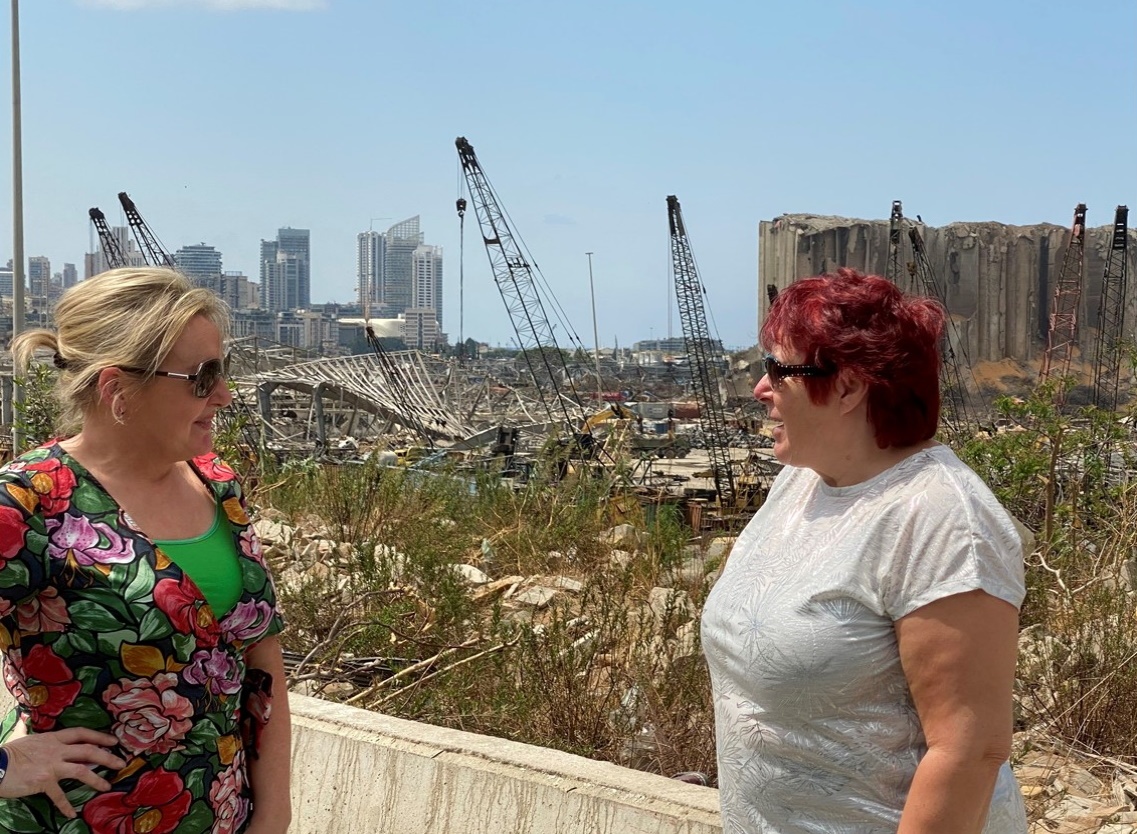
(1067, 791)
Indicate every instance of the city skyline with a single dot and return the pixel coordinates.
(744, 111)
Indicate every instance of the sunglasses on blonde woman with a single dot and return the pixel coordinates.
(776, 371)
(204, 379)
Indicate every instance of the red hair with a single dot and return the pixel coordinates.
(864, 325)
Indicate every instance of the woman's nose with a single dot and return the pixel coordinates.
(221, 393)
(763, 390)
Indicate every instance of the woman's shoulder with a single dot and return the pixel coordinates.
(939, 470)
(955, 493)
(48, 459)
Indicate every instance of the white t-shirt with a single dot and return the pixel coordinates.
(815, 725)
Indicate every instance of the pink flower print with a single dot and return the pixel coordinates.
(215, 669)
(226, 798)
(14, 675)
(247, 620)
(46, 611)
(86, 542)
(251, 546)
(149, 715)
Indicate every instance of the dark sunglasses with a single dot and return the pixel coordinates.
(204, 379)
(777, 371)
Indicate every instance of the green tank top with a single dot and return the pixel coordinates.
(210, 560)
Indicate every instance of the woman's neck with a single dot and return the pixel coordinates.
(864, 462)
(110, 451)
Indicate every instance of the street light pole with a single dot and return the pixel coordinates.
(595, 332)
(17, 224)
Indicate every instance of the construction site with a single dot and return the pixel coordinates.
(1027, 304)
(555, 603)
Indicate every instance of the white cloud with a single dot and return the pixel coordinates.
(212, 5)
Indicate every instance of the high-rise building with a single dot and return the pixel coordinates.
(398, 270)
(201, 264)
(96, 262)
(238, 291)
(426, 279)
(370, 258)
(420, 329)
(39, 279)
(70, 276)
(295, 245)
(285, 272)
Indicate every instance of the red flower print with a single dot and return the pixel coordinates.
(156, 804)
(211, 467)
(189, 613)
(149, 715)
(47, 611)
(12, 531)
(54, 483)
(51, 686)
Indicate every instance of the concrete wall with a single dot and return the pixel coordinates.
(1000, 279)
(358, 771)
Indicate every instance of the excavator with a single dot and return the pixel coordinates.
(640, 445)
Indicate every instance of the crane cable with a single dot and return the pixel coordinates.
(460, 205)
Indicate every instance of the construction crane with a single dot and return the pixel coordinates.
(1111, 316)
(955, 409)
(515, 279)
(705, 373)
(892, 270)
(112, 252)
(398, 386)
(1063, 333)
(152, 249)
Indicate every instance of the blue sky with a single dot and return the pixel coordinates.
(226, 119)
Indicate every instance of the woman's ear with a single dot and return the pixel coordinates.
(112, 394)
(851, 390)
(109, 385)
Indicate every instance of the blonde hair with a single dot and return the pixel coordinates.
(128, 317)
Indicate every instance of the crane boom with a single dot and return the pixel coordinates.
(895, 222)
(955, 409)
(1111, 315)
(1063, 333)
(112, 252)
(398, 386)
(514, 276)
(152, 249)
(705, 374)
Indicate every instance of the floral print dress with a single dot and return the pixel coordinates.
(100, 629)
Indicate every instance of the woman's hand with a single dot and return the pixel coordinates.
(37, 763)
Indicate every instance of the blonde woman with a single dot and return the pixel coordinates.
(137, 617)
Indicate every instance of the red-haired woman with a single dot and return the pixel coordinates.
(862, 638)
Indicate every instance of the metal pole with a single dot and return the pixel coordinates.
(17, 222)
(595, 333)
